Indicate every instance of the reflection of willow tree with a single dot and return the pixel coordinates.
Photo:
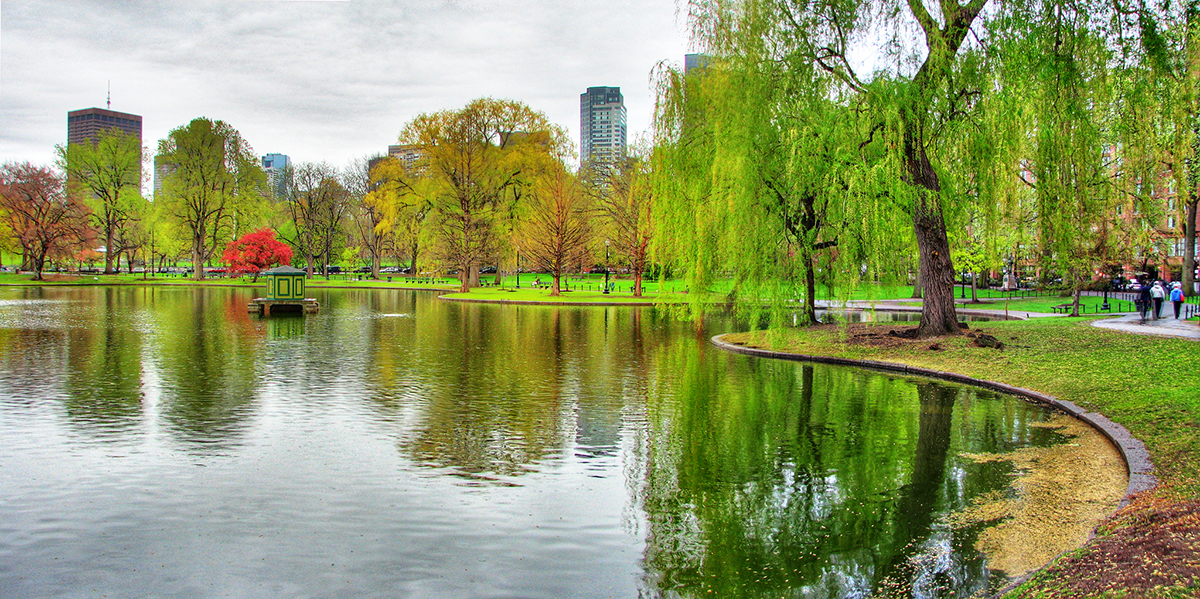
(775, 478)
(207, 358)
(517, 385)
(920, 498)
(104, 379)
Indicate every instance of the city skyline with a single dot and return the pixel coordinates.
(318, 81)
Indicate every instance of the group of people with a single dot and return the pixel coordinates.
(1152, 297)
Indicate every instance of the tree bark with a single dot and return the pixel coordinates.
(936, 278)
(108, 250)
(1189, 244)
(809, 314)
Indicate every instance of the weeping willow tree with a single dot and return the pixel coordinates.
(902, 113)
(1168, 45)
(1088, 152)
(759, 157)
(1073, 153)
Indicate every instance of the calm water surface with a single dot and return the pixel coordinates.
(162, 442)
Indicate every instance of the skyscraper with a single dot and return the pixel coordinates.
(274, 164)
(602, 128)
(89, 123)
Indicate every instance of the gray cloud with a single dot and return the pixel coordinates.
(317, 80)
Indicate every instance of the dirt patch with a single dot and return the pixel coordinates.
(890, 336)
(1149, 549)
(60, 278)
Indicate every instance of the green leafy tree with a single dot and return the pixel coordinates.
(214, 175)
(105, 174)
(763, 168)
(318, 205)
(401, 206)
(555, 233)
(626, 199)
(907, 106)
(475, 161)
(1168, 45)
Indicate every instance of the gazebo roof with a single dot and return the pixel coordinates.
(284, 270)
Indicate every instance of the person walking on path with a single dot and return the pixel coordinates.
(1158, 294)
(1177, 298)
(1144, 300)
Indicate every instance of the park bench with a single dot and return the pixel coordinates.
(1064, 308)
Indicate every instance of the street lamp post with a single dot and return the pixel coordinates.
(606, 259)
(518, 269)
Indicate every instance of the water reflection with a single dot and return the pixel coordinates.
(833, 481)
(537, 450)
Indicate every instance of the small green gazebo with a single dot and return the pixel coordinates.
(284, 282)
(285, 293)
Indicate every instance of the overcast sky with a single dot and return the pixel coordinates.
(318, 80)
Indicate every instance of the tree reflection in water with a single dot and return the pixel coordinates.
(827, 482)
(712, 474)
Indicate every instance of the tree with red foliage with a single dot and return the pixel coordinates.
(256, 251)
(43, 221)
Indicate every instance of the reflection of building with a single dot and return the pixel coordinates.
(87, 125)
(602, 125)
(273, 165)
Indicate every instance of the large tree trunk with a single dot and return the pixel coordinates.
(938, 316)
(473, 276)
(1189, 245)
(108, 251)
(809, 314)
(197, 263)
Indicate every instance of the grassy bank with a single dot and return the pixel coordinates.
(583, 289)
(1151, 385)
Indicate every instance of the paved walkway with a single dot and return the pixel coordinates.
(1126, 322)
(1133, 323)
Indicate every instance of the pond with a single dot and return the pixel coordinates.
(161, 441)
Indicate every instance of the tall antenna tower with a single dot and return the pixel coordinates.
(109, 94)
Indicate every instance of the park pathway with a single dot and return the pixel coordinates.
(1127, 322)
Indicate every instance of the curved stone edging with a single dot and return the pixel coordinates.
(469, 300)
(1137, 460)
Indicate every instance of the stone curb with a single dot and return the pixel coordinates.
(1137, 459)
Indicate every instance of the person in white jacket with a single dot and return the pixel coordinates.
(1157, 294)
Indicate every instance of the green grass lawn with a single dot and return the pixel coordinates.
(583, 288)
(1149, 384)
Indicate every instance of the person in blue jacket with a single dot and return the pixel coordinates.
(1177, 298)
